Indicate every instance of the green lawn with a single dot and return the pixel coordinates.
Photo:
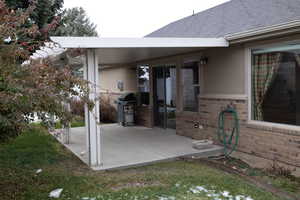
(77, 122)
(35, 149)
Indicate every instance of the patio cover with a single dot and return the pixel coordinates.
(105, 51)
(129, 50)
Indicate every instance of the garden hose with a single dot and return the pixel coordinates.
(229, 140)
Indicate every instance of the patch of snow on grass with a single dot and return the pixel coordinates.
(167, 198)
(88, 198)
(226, 194)
(223, 195)
(55, 193)
(198, 189)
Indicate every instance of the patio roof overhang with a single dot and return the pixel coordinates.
(130, 50)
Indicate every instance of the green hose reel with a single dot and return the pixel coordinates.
(229, 139)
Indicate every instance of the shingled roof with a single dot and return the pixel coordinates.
(232, 17)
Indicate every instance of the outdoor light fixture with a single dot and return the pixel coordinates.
(120, 85)
(203, 61)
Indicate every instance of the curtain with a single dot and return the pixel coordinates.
(265, 68)
(297, 57)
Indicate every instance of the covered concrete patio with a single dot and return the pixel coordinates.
(124, 147)
(112, 146)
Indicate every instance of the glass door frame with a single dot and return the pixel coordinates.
(159, 121)
(156, 111)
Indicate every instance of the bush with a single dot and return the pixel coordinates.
(32, 86)
(77, 107)
(107, 110)
(77, 121)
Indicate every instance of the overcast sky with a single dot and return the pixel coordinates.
(137, 18)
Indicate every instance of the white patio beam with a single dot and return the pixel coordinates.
(131, 50)
(92, 117)
(147, 42)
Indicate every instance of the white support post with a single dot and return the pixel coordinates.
(67, 129)
(92, 117)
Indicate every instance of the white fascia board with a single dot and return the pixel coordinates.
(263, 30)
(103, 43)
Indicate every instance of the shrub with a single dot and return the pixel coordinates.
(31, 87)
(77, 107)
(77, 121)
(107, 110)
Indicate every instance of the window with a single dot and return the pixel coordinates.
(143, 84)
(276, 84)
(191, 87)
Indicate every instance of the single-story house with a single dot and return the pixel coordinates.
(243, 53)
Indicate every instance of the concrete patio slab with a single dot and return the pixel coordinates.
(124, 147)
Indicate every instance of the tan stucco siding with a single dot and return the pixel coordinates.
(225, 71)
(109, 78)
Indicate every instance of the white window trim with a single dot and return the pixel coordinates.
(248, 80)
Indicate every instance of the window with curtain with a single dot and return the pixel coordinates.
(143, 84)
(191, 87)
(276, 84)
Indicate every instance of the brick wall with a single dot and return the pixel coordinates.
(144, 116)
(185, 125)
(282, 145)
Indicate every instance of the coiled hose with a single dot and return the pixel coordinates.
(229, 140)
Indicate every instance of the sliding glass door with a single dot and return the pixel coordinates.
(164, 96)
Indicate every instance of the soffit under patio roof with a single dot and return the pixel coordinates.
(130, 50)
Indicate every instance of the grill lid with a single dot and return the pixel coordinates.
(127, 97)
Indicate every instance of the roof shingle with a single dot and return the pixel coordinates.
(232, 17)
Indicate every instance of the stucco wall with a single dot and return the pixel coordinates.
(225, 72)
(109, 78)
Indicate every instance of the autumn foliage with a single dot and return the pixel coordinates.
(27, 86)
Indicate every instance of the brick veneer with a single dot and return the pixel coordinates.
(144, 116)
(272, 143)
(185, 125)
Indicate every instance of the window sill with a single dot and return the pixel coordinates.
(274, 127)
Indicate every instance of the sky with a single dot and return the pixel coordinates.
(137, 18)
